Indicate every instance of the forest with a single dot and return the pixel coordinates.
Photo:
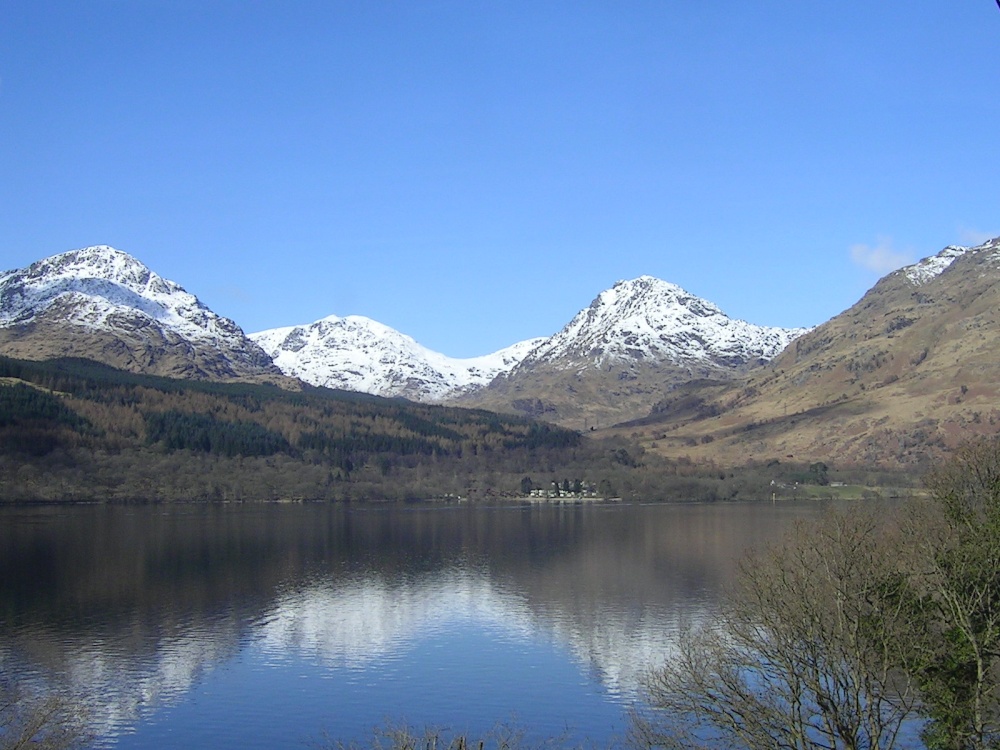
(76, 430)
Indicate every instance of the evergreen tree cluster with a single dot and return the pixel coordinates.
(98, 430)
(201, 432)
(24, 405)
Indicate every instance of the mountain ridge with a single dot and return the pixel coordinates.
(103, 303)
(900, 376)
(358, 353)
(647, 317)
(361, 354)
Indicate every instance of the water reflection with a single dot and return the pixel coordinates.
(353, 622)
(134, 608)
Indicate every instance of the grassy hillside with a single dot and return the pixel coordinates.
(898, 381)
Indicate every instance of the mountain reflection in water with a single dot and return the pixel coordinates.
(192, 624)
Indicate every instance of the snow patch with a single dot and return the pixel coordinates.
(932, 267)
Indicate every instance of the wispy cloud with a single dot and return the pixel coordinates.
(882, 257)
(974, 237)
(234, 292)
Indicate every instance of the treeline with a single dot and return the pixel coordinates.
(20, 404)
(176, 431)
(34, 422)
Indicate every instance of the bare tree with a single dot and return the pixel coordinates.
(804, 654)
(952, 562)
(42, 723)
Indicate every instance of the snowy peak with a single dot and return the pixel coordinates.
(930, 268)
(618, 357)
(645, 321)
(102, 303)
(100, 281)
(101, 262)
(654, 321)
(107, 295)
(360, 354)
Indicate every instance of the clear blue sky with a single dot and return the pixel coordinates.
(473, 173)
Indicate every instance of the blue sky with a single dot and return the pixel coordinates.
(474, 173)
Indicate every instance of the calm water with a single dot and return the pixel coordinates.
(265, 626)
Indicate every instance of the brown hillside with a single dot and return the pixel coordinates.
(584, 396)
(910, 370)
(147, 349)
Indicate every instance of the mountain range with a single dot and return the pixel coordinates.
(905, 372)
(102, 303)
(632, 340)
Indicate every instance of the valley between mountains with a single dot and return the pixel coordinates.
(905, 374)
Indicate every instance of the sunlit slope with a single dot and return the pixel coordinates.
(911, 369)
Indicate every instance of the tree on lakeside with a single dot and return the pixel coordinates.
(853, 632)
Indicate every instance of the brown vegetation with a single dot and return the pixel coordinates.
(39, 723)
(855, 632)
(897, 381)
(75, 430)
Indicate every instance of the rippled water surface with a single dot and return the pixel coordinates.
(266, 626)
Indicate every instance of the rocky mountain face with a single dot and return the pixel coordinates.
(102, 304)
(616, 358)
(907, 372)
(359, 354)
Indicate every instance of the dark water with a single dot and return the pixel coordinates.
(265, 626)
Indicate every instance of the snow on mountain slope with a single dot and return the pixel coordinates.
(644, 320)
(359, 354)
(653, 321)
(928, 268)
(933, 266)
(104, 304)
(101, 291)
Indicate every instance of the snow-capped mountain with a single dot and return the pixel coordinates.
(103, 304)
(616, 358)
(647, 319)
(359, 354)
